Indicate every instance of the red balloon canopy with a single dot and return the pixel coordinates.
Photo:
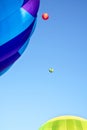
(45, 16)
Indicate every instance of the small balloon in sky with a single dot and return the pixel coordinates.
(51, 70)
(45, 16)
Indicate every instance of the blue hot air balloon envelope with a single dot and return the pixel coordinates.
(17, 23)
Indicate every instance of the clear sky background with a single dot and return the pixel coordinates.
(29, 94)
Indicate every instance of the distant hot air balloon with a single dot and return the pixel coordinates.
(45, 16)
(65, 123)
(51, 70)
(17, 23)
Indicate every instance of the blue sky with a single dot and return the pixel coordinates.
(29, 94)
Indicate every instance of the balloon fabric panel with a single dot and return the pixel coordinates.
(16, 28)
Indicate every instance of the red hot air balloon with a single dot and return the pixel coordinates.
(45, 16)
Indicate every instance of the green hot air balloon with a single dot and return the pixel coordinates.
(65, 123)
(51, 70)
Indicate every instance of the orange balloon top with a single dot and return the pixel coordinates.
(45, 16)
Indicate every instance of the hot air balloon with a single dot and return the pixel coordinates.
(45, 16)
(17, 23)
(51, 70)
(65, 123)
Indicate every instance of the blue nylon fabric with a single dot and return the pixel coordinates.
(11, 47)
(7, 7)
(6, 69)
(33, 27)
(9, 61)
(16, 28)
(22, 49)
(20, 52)
(14, 25)
(25, 1)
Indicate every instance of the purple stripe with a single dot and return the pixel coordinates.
(12, 46)
(9, 61)
(32, 7)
